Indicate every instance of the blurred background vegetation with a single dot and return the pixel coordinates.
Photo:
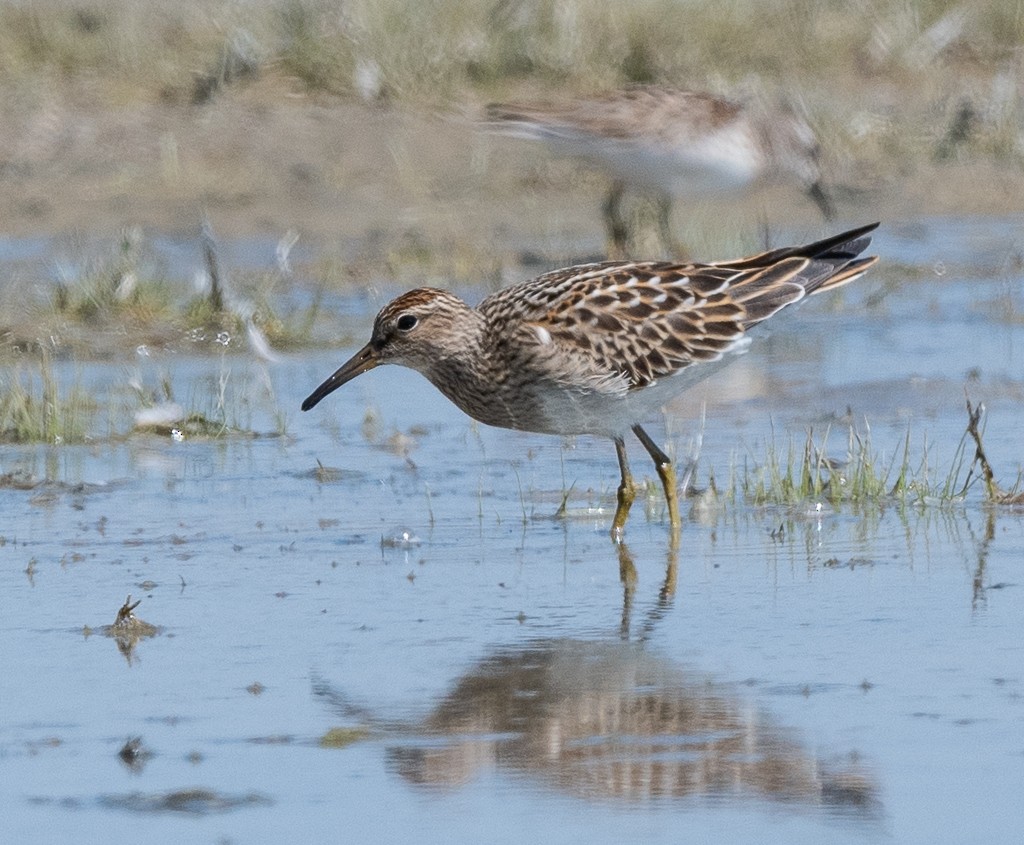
(350, 130)
(353, 124)
(887, 84)
(440, 50)
(909, 61)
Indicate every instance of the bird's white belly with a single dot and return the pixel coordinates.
(727, 161)
(591, 412)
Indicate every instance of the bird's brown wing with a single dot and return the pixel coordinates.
(635, 322)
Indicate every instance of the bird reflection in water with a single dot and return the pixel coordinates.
(609, 721)
(615, 721)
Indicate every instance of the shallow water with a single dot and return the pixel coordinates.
(404, 645)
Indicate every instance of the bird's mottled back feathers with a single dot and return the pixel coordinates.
(641, 321)
(663, 115)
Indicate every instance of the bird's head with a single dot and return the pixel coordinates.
(415, 330)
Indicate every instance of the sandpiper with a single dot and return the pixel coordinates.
(669, 142)
(598, 348)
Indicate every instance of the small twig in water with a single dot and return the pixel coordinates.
(992, 489)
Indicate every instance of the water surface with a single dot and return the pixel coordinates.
(401, 643)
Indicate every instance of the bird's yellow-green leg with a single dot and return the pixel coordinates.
(666, 472)
(627, 491)
(615, 224)
(675, 249)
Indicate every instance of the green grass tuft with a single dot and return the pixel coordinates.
(34, 409)
(804, 473)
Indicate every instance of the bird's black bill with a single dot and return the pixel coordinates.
(822, 200)
(365, 359)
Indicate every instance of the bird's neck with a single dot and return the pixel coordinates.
(461, 370)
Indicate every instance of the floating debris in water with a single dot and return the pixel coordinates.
(342, 737)
(134, 754)
(326, 474)
(400, 538)
(128, 629)
(196, 802)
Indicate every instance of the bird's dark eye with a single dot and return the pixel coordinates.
(406, 323)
